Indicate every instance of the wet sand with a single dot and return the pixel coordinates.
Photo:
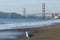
(44, 33)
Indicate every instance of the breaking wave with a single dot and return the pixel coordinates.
(29, 24)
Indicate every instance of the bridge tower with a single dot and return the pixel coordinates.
(43, 10)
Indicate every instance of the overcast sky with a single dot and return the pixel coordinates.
(32, 6)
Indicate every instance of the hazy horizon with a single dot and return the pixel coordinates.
(32, 6)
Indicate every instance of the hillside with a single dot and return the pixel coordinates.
(10, 15)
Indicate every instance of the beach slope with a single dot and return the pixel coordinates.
(44, 33)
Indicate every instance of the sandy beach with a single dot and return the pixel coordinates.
(44, 33)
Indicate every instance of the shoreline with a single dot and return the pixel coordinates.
(44, 33)
(41, 27)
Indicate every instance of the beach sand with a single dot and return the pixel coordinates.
(44, 33)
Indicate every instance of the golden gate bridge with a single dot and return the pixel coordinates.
(43, 14)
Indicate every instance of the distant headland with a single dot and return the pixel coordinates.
(14, 15)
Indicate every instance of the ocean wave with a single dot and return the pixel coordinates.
(28, 24)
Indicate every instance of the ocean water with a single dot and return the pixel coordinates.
(11, 34)
(26, 23)
(22, 23)
(6, 21)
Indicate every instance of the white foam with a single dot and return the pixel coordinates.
(28, 24)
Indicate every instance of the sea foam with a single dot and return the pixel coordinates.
(29, 24)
